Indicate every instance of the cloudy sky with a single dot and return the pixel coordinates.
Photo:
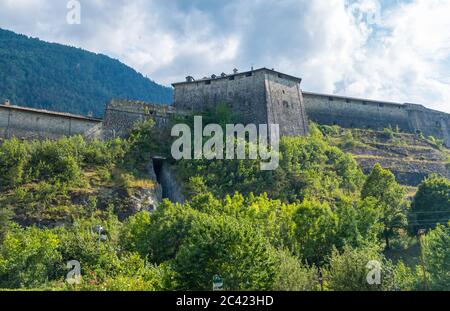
(397, 50)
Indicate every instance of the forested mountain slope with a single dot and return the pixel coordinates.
(52, 76)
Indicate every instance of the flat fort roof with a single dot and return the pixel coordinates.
(48, 112)
(353, 98)
(299, 80)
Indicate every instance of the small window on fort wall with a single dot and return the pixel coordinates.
(231, 78)
(330, 99)
(381, 105)
(207, 82)
(248, 74)
(348, 101)
(438, 124)
(285, 103)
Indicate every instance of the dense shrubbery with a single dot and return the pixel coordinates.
(53, 161)
(309, 168)
(431, 205)
(317, 215)
(437, 256)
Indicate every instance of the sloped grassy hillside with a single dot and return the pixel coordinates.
(410, 157)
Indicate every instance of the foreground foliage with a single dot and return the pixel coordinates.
(313, 224)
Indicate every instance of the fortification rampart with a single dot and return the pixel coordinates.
(29, 123)
(261, 96)
(121, 115)
(369, 114)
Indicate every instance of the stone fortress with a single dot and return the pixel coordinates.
(260, 96)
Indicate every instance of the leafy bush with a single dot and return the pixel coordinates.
(349, 271)
(390, 199)
(29, 257)
(431, 204)
(437, 257)
(14, 155)
(292, 275)
(388, 133)
(227, 247)
(309, 168)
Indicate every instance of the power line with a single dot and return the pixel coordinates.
(430, 212)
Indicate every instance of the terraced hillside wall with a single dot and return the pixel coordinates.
(351, 112)
(410, 157)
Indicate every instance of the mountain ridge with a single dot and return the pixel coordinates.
(53, 76)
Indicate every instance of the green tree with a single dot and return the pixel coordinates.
(349, 271)
(358, 222)
(431, 204)
(437, 257)
(390, 198)
(29, 257)
(309, 168)
(57, 160)
(14, 155)
(292, 275)
(317, 226)
(5, 221)
(134, 231)
(227, 247)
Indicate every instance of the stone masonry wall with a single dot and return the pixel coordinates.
(244, 94)
(360, 113)
(285, 105)
(28, 123)
(261, 96)
(121, 115)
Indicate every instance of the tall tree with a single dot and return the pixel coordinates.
(431, 204)
(390, 198)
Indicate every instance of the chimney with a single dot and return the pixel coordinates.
(213, 76)
(223, 74)
(235, 71)
(7, 102)
(90, 114)
(190, 79)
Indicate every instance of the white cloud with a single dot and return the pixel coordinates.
(357, 48)
(407, 57)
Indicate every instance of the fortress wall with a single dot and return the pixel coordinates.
(244, 93)
(285, 105)
(121, 115)
(429, 122)
(351, 112)
(28, 123)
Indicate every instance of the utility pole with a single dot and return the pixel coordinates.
(420, 235)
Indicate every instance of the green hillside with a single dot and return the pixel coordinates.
(317, 217)
(56, 77)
